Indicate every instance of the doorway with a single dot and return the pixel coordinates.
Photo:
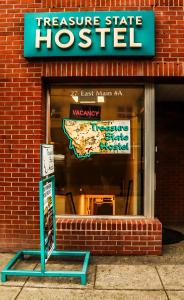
(169, 129)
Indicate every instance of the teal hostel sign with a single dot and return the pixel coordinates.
(97, 137)
(105, 33)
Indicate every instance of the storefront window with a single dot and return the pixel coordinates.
(98, 137)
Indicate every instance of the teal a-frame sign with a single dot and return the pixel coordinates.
(47, 241)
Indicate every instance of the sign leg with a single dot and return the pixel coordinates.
(3, 277)
(83, 279)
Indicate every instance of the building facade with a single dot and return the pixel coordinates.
(108, 204)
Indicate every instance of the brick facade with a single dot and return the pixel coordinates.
(111, 237)
(22, 102)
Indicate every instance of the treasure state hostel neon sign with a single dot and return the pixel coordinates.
(107, 33)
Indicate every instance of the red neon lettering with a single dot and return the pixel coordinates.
(86, 113)
(76, 112)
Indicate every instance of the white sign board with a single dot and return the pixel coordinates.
(47, 160)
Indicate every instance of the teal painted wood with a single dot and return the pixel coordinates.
(9, 265)
(54, 211)
(44, 273)
(86, 261)
(56, 252)
(42, 240)
(31, 252)
(49, 273)
(13, 260)
(7, 271)
(69, 253)
(44, 40)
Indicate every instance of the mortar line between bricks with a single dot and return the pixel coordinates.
(16, 297)
(162, 283)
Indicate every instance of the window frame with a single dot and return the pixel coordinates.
(149, 148)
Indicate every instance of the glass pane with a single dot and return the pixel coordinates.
(98, 137)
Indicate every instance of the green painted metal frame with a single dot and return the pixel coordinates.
(7, 271)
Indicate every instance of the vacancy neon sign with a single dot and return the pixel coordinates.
(85, 112)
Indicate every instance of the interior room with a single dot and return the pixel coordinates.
(100, 184)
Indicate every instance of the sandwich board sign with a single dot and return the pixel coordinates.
(47, 230)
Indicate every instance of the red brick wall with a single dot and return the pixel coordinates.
(22, 114)
(111, 237)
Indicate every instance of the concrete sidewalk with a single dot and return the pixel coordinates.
(110, 278)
